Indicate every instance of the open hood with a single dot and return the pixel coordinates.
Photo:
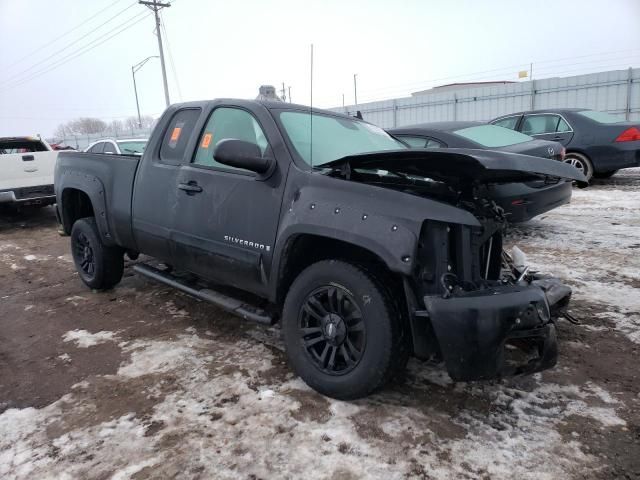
(460, 165)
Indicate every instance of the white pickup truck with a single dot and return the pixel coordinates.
(26, 171)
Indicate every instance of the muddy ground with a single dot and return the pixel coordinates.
(144, 382)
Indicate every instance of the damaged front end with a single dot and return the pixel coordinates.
(485, 315)
(471, 304)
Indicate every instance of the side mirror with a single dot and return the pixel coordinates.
(241, 154)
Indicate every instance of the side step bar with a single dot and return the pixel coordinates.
(225, 302)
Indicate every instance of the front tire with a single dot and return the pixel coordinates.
(99, 266)
(581, 162)
(341, 331)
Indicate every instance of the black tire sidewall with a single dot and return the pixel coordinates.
(377, 315)
(88, 227)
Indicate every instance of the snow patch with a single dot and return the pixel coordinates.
(85, 339)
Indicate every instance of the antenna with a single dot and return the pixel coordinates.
(311, 113)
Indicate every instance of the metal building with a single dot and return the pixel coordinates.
(616, 91)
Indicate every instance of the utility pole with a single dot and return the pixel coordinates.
(135, 91)
(355, 89)
(289, 88)
(284, 95)
(156, 6)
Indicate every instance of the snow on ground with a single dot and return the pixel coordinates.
(205, 403)
(219, 421)
(85, 339)
(598, 239)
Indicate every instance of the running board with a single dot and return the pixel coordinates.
(231, 305)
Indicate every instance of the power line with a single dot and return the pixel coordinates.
(393, 92)
(417, 85)
(571, 72)
(49, 57)
(51, 42)
(81, 51)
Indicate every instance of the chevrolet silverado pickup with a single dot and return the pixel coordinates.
(26, 172)
(366, 251)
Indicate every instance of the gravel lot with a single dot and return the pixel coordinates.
(144, 382)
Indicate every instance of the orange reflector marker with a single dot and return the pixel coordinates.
(175, 135)
(206, 140)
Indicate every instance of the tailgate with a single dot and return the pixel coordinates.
(29, 169)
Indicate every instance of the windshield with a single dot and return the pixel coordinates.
(601, 117)
(334, 137)
(493, 136)
(132, 146)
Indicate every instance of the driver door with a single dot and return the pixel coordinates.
(227, 218)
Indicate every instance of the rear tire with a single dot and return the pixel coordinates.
(608, 174)
(99, 266)
(341, 331)
(581, 162)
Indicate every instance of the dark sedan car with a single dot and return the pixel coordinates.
(521, 201)
(597, 143)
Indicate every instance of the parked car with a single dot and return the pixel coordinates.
(597, 143)
(127, 146)
(26, 172)
(60, 146)
(520, 201)
(365, 257)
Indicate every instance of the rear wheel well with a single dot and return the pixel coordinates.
(76, 204)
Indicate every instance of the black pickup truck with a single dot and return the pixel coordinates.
(366, 251)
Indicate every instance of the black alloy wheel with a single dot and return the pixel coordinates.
(84, 253)
(99, 266)
(332, 330)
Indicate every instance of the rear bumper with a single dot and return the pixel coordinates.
(615, 156)
(495, 332)
(522, 202)
(39, 195)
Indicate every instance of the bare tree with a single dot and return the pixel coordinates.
(116, 126)
(146, 121)
(86, 125)
(61, 131)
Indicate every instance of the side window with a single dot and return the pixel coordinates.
(433, 143)
(109, 148)
(177, 135)
(414, 142)
(563, 126)
(226, 123)
(509, 122)
(539, 124)
(97, 148)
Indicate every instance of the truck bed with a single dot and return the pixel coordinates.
(111, 179)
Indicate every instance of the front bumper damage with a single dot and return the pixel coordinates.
(499, 331)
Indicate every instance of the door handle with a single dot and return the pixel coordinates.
(190, 187)
(27, 158)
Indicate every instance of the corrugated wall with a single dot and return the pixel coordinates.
(615, 91)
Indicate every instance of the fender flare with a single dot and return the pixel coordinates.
(93, 187)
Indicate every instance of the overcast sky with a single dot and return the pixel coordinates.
(229, 48)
